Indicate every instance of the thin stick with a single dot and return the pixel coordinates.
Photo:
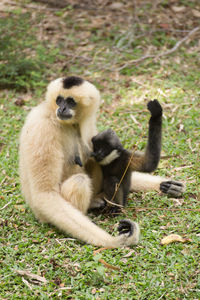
(179, 43)
(107, 265)
(176, 46)
(112, 203)
(164, 208)
(118, 185)
(5, 205)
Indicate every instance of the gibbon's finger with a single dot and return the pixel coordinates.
(155, 108)
(78, 161)
(172, 188)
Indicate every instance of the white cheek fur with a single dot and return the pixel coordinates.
(109, 158)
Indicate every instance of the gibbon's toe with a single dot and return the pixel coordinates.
(172, 188)
(155, 108)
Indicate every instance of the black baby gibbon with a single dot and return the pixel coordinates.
(114, 159)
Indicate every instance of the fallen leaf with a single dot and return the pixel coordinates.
(178, 9)
(196, 13)
(31, 276)
(130, 253)
(116, 5)
(19, 102)
(27, 283)
(173, 238)
(57, 281)
(164, 25)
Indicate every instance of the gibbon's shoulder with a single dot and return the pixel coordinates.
(81, 90)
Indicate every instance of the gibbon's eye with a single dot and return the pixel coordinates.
(59, 100)
(71, 102)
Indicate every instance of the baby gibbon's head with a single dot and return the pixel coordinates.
(72, 98)
(106, 147)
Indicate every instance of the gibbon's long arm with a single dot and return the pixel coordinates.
(148, 161)
(64, 216)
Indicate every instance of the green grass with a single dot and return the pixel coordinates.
(150, 270)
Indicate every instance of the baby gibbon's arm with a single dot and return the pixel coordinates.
(148, 161)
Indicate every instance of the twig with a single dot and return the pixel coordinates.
(164, 208)
(31, 275)
(177, 45)
(169, 156)
(5, 205)
(112, 203)
(117, 188)
(107, 265)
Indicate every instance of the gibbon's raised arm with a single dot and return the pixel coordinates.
(55, 144)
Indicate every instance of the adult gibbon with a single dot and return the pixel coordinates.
(56, 187)
(117, 162)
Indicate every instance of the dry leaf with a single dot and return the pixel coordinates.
(116, 5)
(196, 13)
(19, 102)
(178, 9)
(27, 283)
(173, 238)
(130, 253)
(31, 276)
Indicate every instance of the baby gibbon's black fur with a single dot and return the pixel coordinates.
(113, 158)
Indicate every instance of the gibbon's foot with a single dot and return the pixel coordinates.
(129, 233)
(98, 203)
(172, 188)
(126, 227)
(155, 108)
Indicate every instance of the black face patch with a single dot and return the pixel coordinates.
(66, 107)
(71, 81)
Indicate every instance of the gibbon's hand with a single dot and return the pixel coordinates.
(126, 226)
(78, 161)
(155, 108)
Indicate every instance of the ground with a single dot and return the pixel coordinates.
(133, 51)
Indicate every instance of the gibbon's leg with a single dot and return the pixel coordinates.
(78, 191)
(52, 208)
(148, 182)
(94, 170)
(109, 187)
(98, 201)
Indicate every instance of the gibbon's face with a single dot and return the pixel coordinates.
(106, 147)
(66, 108)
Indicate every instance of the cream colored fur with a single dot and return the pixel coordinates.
(58, 191)
(145, 182)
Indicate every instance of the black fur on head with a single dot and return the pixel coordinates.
(107, 137)
(71, 81)
(104, 143)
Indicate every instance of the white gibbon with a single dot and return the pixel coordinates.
(59, 179)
